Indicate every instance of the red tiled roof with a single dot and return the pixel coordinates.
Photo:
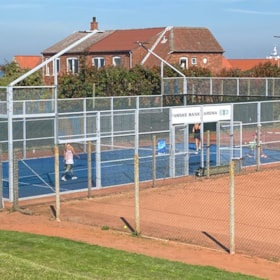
(247, 64)
(180, 39)
(195, 40)
(72, 39)
(27, 61)
(125, 40)
(225, 63)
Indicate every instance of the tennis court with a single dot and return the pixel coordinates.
(36, 177)
(117, 135)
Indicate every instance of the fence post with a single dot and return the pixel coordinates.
(154, 161)
(258, 147)
(57, 186)
(89, 169)
(15, 181)
(208, 154)
(136, 183)
(231, 207)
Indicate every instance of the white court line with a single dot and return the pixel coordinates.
(32, 170)
(273, 132)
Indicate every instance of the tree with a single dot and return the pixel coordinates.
(110, 81)
(12, 71)
(118, 81)
(266, 69)
(230, 73)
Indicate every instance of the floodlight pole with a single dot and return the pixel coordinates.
(141, 44)
(78, 42)
(10, 101)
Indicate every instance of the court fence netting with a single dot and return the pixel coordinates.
(166, 149)
(110, 132)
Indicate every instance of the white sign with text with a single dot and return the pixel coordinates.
(199, 114)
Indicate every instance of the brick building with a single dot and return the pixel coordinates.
(186, 46)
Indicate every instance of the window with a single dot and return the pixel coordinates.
(117, 61)
(72, 65)
(47, 70)
(50, 67)
(194, 61)
(98, 62)
(57, 64)
(183, 62)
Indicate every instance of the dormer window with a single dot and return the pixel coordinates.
(183, 62)
(98, 62)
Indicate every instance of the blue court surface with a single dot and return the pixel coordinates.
(37, 177)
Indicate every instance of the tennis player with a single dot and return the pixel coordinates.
(69, 153)
(196, 133)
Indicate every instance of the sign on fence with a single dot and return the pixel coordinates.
(199, 114)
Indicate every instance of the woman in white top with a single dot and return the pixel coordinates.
(69, 153)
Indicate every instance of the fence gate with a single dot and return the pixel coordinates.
(229, 141)
(179, 150)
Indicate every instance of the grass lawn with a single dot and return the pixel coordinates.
(28, 256)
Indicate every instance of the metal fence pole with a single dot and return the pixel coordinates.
(89, 169)
(208, 154)
(136, 183)
(231, 207)
(15, 181)
(154, 161)
(258, 147)
(57, 183)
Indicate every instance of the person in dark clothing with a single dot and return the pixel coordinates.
(196, 135)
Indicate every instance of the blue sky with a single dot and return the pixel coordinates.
(244, 28)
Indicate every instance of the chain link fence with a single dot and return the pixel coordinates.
(125, 126)
(180, 205)
(233, 213)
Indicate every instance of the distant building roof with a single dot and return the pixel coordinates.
(125, 40)
(27, 61)
(247, 64)
(226, 64)
(72, 39)
(180, 39)
(195, 40)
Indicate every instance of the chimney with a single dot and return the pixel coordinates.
(94, 24)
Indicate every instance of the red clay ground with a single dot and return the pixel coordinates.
(42, 222)
(156, 248)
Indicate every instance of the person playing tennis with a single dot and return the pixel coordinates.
(196, 133)
(69, 153)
